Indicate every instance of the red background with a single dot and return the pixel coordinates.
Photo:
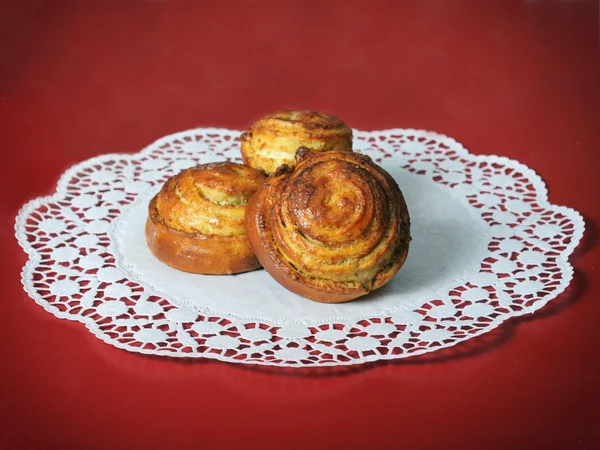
(514, 78)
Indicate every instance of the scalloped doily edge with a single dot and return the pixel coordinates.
(541, 196)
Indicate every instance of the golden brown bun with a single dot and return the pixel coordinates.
(333, 229)
(274, 139)
(196, 222)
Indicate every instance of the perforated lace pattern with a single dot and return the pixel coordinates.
(73, 271)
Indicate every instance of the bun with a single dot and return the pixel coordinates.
(333, 229)
(195, 223)
(274, 139)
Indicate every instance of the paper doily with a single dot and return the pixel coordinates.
(486, 246)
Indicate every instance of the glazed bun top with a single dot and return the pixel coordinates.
(208, 199)
(274, 139)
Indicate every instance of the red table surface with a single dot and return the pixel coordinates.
(513, 78)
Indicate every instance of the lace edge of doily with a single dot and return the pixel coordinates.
(541, 196)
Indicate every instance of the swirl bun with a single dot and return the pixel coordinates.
(274, 139)
(333, 229)
(196, 222)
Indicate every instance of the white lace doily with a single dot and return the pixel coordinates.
(486, 246)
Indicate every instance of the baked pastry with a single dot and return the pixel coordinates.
(333, 229)
(274, 139)
(196, 222)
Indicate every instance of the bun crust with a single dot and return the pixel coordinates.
(274, 139)
(196, 222)
(333, 229)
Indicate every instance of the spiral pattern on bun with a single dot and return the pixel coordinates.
(196, 221)
(274, 139)
(333, 229)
